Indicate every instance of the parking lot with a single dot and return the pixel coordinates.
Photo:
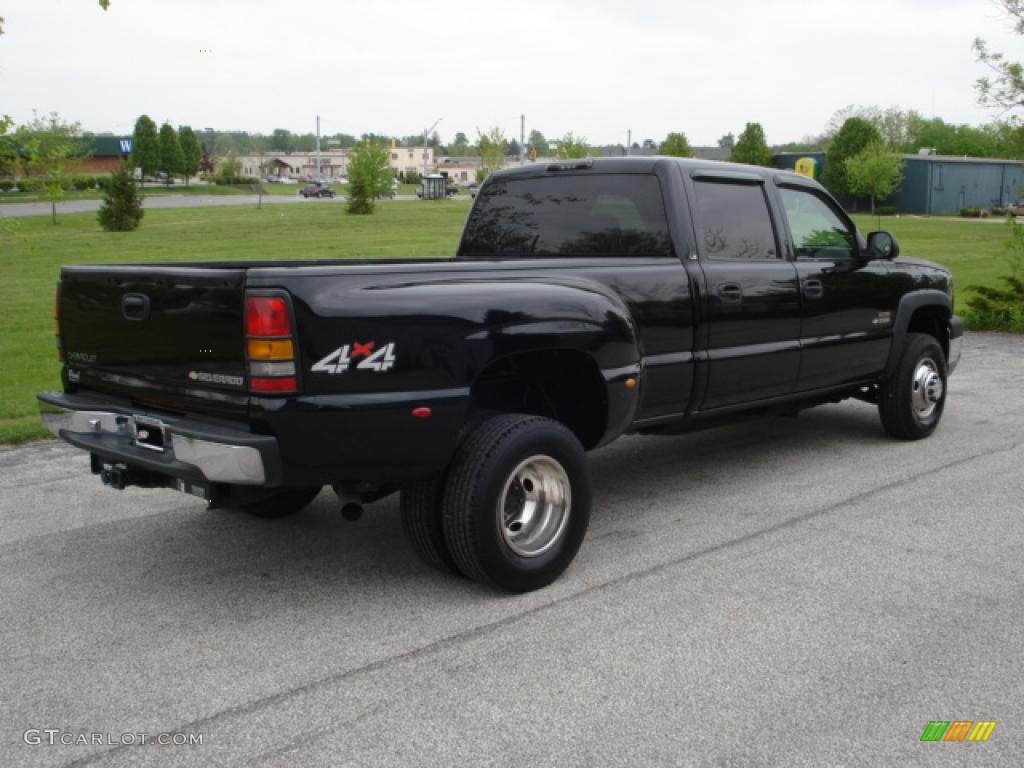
(789, 592)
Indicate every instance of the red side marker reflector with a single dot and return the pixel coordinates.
(273, 384)
(422, 412)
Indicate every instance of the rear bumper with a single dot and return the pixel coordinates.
(956, 343)
(189, 450)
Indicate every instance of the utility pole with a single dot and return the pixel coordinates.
(629, 142)
(426, 132)
(522, 139)
(318, 147)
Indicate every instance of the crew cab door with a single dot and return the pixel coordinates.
(847, 302)
(751, 308)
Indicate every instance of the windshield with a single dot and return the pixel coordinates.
(569, 215)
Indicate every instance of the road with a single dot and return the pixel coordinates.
(791, 592)
(176, 201)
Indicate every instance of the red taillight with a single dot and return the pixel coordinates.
(273, 384)
(270, 346)
(267, 316)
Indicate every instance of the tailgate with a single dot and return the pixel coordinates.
(171, 337)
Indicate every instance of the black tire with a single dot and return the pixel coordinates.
(487, 469)
(282, 503)
(911, 402)
(422, 521)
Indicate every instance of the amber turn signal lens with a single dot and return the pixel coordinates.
(630, 383)
(271, 349)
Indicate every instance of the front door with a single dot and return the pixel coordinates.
(751, 301)
(848, 308)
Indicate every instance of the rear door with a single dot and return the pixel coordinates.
(169, 337)
(751, 300)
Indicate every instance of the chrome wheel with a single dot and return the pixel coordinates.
(927, 388)
(534, 506)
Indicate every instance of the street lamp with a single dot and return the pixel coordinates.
(426, 132)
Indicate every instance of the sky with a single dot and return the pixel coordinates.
(597, 68)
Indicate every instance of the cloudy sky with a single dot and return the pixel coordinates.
(393, 67)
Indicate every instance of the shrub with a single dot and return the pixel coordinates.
(231, 180)
(1001, 308)
(970, 213)
(6, 185)
(999, 211)
(122, 203)
(103, 182)
(83, 182)
(885, 210)
(31, 186)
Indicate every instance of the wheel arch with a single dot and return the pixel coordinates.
(562, 383)
(928, 312)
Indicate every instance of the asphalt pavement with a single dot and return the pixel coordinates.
(790, 592)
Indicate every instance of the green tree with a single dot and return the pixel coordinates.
(191, 152)
(855, 135)
(492, 150)
(873, 172)
(728, 141)
(281, 140)
(121, 210)
(1005, 89)
(171, 157)
(229, 168)
(8, 146)
(676, 145)
(145, 147)
(368, 176)
(751, 148)
(46, 145)
(572, 147)
(539, 143)
(459, 145)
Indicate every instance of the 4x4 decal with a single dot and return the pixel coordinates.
(374, 359)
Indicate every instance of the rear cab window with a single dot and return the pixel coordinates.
(565, 215)
(733, 222)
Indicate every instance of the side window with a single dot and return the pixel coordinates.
(818, 232)
(733, 221)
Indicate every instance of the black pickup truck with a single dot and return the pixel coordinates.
(588, 299)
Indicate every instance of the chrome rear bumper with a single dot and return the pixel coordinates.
(174, 447)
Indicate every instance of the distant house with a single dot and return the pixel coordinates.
(936, 185)
(459, 168)
(103, 154)
(939, 184)
(283, 165)
(405, 159)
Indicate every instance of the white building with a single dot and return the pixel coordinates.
(333, 164)
(405, 159)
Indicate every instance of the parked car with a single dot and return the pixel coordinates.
(317, 189)
(588, 299)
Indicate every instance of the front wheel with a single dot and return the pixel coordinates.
(516, 503)
(911, 402)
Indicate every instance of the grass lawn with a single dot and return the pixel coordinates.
(972, 249)
(32, 251)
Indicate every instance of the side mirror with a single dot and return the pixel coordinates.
(882, 245)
